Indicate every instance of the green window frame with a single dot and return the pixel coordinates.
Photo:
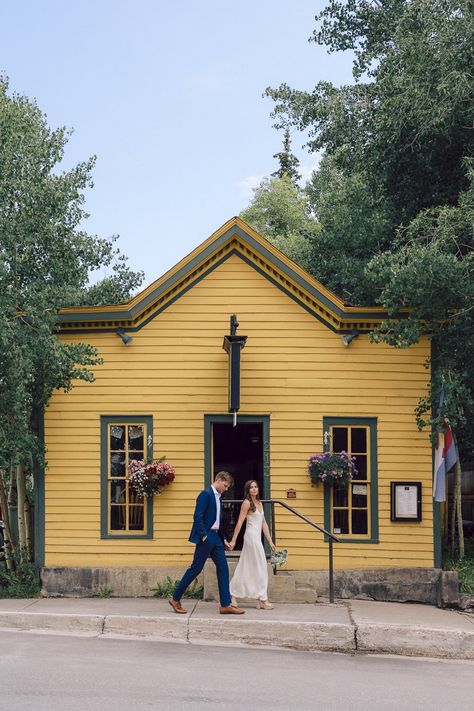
(264, 420)
(122, 438)
(350, 506)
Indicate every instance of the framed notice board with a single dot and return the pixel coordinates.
(405, 501)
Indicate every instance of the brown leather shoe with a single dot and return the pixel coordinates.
(231, 610)
(177, 607)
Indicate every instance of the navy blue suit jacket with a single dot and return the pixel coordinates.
(204, 516)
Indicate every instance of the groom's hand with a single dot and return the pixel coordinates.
(229, 546)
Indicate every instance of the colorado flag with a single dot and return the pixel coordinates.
(444, 460)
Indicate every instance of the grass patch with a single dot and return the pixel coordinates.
(166, 588)
(20, 583)
(465, 568)
(102, 591)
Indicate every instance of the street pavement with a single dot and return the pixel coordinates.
(349, 626)
(53, 673)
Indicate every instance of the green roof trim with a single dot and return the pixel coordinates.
(235, 231)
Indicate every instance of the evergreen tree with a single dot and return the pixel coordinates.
(279, 210)
(288, 161)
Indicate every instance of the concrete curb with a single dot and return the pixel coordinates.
(308, 636)
(164, 628)
(415, 641)
(53, 621)
(438, 642)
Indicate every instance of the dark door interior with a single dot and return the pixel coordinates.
(239, 451)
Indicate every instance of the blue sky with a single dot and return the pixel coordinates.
(168, 96)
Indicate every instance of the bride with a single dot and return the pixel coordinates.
(250, 579)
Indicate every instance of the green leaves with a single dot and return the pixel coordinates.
(408, 127)
(280, 212)
(45, 261)
(394, 193)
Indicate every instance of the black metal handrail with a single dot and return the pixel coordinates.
(330, 536)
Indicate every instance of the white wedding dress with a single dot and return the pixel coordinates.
(250, 578)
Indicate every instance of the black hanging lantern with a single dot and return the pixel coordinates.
(232, 345)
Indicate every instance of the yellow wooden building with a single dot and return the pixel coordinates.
(310, 380)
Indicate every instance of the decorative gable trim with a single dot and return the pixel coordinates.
(233, 238)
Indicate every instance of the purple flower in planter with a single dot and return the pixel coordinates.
(331, 467)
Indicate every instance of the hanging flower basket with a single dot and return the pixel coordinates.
(331, 468)
(149, 478)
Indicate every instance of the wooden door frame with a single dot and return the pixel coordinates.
(264, 420)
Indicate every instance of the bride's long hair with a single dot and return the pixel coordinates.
(248, 495)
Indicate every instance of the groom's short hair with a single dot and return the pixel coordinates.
(225, 476)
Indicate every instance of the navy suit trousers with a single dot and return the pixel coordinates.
(212, 547)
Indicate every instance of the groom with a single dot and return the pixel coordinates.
(207, 534)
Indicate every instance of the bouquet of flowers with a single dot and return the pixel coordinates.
(332, 468)
(279, 557)
(149, 478)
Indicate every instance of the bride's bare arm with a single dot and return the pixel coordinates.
(266, 533)
(244, 509)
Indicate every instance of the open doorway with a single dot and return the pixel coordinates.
(240, 451)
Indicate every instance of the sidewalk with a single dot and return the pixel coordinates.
(350, 626)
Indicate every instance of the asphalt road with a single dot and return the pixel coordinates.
(54, 673)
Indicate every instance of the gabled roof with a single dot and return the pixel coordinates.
(234, 237)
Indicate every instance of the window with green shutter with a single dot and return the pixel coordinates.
(124, 438)
(351, 512)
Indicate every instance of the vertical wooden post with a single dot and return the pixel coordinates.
(28, 529)
(453, 523)
(457, 487)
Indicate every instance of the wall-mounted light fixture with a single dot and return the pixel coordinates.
(349, 337)
(124, 336)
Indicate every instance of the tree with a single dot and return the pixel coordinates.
(430, 269)
(115, 288)
(280, 212)
(409, 126)
(393, 194)
(45, 260)
(395, 149)
(355, 224)
(288, 161)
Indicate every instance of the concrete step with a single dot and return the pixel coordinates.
(305, 593)
(285, 586)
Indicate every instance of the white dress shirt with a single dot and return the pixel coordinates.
(215, 525)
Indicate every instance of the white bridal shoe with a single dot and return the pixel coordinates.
(264, 605)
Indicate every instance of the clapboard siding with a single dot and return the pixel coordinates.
(294, 369)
